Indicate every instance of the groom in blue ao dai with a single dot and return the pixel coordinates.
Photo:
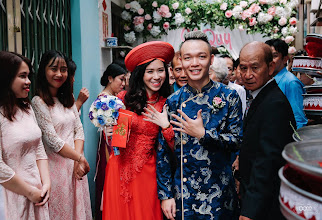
(207, 120)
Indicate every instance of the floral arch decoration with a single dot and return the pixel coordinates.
(272, 18)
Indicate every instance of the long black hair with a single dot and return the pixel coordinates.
(10, 63)
(135, 97)
(65, 92)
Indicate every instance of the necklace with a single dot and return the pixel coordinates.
(106, 92)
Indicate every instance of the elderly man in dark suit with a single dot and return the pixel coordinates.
(267, 129)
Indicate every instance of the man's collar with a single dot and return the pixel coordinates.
(195, 91)
(255, 93)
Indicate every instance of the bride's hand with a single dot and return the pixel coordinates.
(158, 118)
(108, 130)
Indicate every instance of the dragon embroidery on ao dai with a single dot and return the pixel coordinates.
(208, 185)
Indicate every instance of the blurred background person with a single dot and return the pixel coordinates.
(218, 71)
(291, 86)
(220, 74)
(230, 66)
(83, 93)
(180, 76)
(120, 62)
(24, 172)
(114, 81)
(172, 79)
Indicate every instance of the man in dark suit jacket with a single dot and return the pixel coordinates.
(266, 131)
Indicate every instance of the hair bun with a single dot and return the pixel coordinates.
(112, 70)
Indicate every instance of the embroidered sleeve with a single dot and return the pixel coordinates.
(78, 128)
(168, 135)
(45, 123)
(40, 151)
(230, 136)
(6, 173)
(164, 177)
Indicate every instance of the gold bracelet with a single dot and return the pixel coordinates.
(79, 158)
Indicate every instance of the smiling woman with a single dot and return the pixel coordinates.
(130, 180)
(24, 170)
(21, 83)
(63, 137)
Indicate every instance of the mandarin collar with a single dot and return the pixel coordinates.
(154, 97)
(206, 87)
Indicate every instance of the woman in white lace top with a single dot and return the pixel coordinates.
(24, 170)
(63, 138)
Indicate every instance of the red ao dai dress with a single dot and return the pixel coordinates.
(130, 188)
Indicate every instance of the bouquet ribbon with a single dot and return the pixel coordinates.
(121, 131)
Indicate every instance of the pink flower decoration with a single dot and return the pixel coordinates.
(293, 21)
(291, 50)
(138, 20)
(246, 14)
(164, 11)
(254, 8)
(175, 5)
(127, 28)
(282, 21)
(217, 100)
(141, 11)
(271, 11)
(155, 4)
(223, 6)
(166, 25)
(127, 6)
(147, 17)
(228, 13)
(188, 11)
(252, 21)
(263, 2)
(289, 39)
(149, 27)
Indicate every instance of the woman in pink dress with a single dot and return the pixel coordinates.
(24, 170)
(63, 137)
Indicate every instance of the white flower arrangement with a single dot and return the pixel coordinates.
(135, 6)
(126, 16)
(156, 17)
(179, 19)
(130, 37)
(155, 31)
(273, 18)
